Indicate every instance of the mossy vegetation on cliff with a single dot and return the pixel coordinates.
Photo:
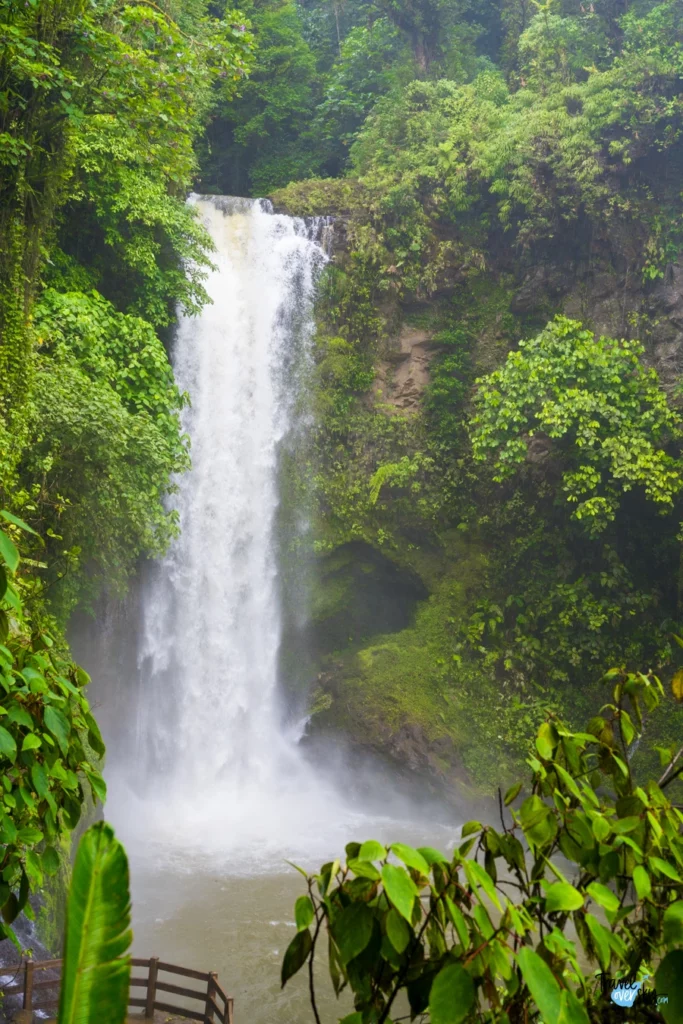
(471, 215)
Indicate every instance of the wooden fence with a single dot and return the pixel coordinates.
(217, 1008)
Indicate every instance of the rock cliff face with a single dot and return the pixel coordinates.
(403, 374)
(614, 301)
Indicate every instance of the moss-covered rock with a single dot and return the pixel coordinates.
(403, 693)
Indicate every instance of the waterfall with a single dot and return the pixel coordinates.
(210, 719)
(211, 774)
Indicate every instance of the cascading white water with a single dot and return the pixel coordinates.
(213, 769)
(212, 613)
(210, 723)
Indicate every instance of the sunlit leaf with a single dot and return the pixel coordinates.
(400, 888)
(562, 896)
(411, 857)
(371, 850)
(96, 973)
(303, 912)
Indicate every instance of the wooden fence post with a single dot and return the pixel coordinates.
(151, 987)
(28, 985)
(210, 995)
(229, 1019)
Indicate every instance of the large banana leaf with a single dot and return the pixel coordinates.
(96, 974)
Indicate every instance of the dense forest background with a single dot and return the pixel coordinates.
(495, 524)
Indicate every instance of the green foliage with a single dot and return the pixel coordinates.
(100, 104)
(483, 934)
(96, 973)
(114, 349)
(372, 60)
(599, 403)
(259, 139)
(442, 164)
(103, 441)
(50, 745)
(136, 124)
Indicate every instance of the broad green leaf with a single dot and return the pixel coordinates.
(603, 896)
(364, 869)
(546, 740)
(39, 779)
(478, 877)
(50, 860)
(34, 869)
(673, 924)
(371, 850)
(98, 785)
(623, 825)
(568, 781)
(539, 979)
(668, 984)
(571, 1010)
(8, 552)
(470, 828)
(400, 888)
(96, 973)
(352, 930)
(21, 716)
(512, 793)
(29, 835)
(334, 965)
(458, 921)
(8, 746)
(601, 827)
(303, 913)
(538, 821)
(10, 518)
(411, 857)
(627, 727)
(58, 725)
(432, 856)
(31, 742)
(451, 995)
(95, 739)
(398, 932)
(562, 896)
(664, 868)
(295, 956)
(641, 881)
(600, 939)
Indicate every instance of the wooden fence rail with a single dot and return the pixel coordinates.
(216, 1007)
